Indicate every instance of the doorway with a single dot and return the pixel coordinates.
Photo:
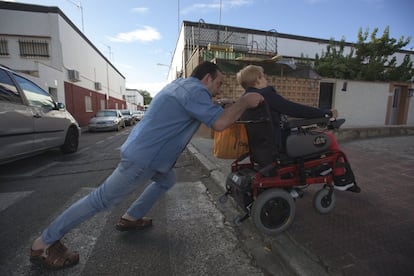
(395, 106)
(398, 107)
(325, 95)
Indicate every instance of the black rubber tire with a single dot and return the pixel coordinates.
(322, 202)
(238, 220)
(223, 199)
(71, 141)
(273, 211)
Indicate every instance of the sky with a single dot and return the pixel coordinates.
(139, 36)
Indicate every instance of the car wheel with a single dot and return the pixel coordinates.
(71, 141)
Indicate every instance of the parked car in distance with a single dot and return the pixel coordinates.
(107, 119)
(138, 115)
(127, 117)
(31, 121)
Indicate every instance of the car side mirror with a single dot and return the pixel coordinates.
(61, 106)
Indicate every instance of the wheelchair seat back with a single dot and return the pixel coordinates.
(260, 134)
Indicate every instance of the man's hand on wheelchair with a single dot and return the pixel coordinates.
(334, 113)
(224, 102)
(253, 99)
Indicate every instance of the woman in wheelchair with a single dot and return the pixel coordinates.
(253, 79)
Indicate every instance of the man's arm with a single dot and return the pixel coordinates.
(233, 112)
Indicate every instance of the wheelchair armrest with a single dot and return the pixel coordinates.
(261, 120)
(305, 122)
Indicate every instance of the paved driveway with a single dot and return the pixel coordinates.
(370, 233)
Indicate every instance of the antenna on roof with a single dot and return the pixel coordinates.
(220, 14)
(79, 6)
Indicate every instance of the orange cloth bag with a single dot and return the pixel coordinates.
(231, 143)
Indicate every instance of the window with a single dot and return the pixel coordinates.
(8, 91)
(34, 94)
(33, 48)
(4, 49)
(88, 104)
(102, 104)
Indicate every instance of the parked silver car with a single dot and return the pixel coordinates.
(31, 121)
(127, 117)
(108, 119)
(138, 115)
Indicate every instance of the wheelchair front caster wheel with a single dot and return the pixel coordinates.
(223, 199)
(238, 220)
(324, 201)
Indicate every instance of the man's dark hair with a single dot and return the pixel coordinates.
(206, 68)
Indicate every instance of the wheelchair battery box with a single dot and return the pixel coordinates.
(239, 185)
(307, 144)
(240, 180)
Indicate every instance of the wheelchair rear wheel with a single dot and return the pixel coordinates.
(273, 211)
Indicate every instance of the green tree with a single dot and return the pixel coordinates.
(369, 60)
(146, 95)
(334, 63)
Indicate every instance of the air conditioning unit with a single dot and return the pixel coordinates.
(74, 75)
(98, 86)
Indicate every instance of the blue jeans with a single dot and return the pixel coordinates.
(126, 178)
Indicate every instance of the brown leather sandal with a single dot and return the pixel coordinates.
(128, 225)
(56, 256)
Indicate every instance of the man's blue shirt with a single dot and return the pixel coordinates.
(173, 117)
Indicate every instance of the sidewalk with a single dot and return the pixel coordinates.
(366, 234)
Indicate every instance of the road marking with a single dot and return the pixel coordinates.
(8, 199)
(82, 239)
(30, 173)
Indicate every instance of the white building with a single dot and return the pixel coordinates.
(134, 100)
(43, 43)
(362, 103)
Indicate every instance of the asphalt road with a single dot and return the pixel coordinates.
(190, 235)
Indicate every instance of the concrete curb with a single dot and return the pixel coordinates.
(215, 173)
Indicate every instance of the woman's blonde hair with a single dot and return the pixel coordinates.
(247, 76)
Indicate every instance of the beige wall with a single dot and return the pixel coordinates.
(367, 103)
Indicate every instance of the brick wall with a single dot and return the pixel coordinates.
(304, 91)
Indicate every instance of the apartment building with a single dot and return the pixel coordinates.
(43, 43)
(286, 60)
